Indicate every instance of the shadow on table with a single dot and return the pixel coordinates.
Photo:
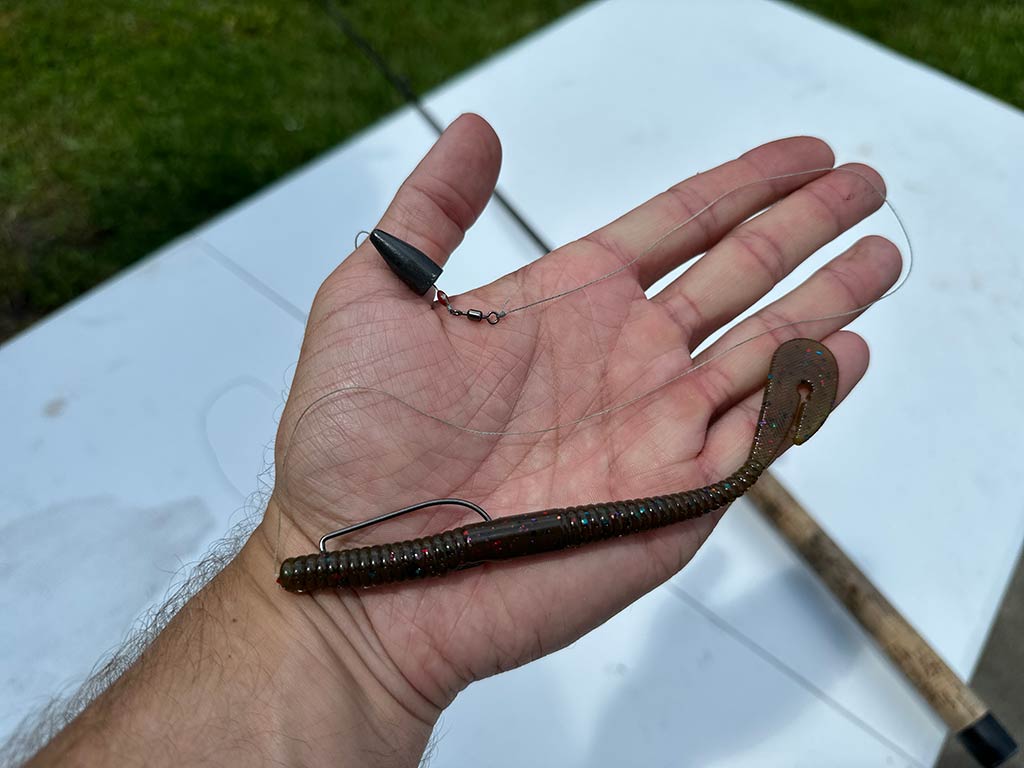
(705, 691)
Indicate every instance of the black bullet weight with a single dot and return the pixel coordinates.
(413, 266)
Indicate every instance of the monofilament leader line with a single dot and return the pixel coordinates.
(493, 316)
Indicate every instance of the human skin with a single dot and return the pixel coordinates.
(247, 672)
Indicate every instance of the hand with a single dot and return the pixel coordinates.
(247, 672)
(358, 453)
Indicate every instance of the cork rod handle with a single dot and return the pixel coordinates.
(949, 697)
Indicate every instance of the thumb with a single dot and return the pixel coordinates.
(437, 204)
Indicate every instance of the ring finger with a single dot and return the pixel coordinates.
(838, 293)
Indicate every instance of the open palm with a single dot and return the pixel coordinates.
(386, 378)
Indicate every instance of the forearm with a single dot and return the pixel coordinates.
(244, 673)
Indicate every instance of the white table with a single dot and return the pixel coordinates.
(137, 418)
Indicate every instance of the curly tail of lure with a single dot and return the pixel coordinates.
(798, 397)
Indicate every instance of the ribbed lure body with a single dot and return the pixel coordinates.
(508, 537)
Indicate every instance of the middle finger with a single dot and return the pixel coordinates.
(752, 259)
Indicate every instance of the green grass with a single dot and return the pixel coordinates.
(124, 123)
(981, 43)
(127, 122)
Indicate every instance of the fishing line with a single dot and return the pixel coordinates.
(619, 270)
(705, 209)
(409, 95)
(540, 303)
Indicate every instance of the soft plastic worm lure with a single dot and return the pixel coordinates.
(798, 397)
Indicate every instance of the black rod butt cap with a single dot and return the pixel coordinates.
(412, 265)
(988, 742)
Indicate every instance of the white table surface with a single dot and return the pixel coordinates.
(137, 418)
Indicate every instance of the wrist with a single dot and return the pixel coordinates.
(245, 673)
(331, 668)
